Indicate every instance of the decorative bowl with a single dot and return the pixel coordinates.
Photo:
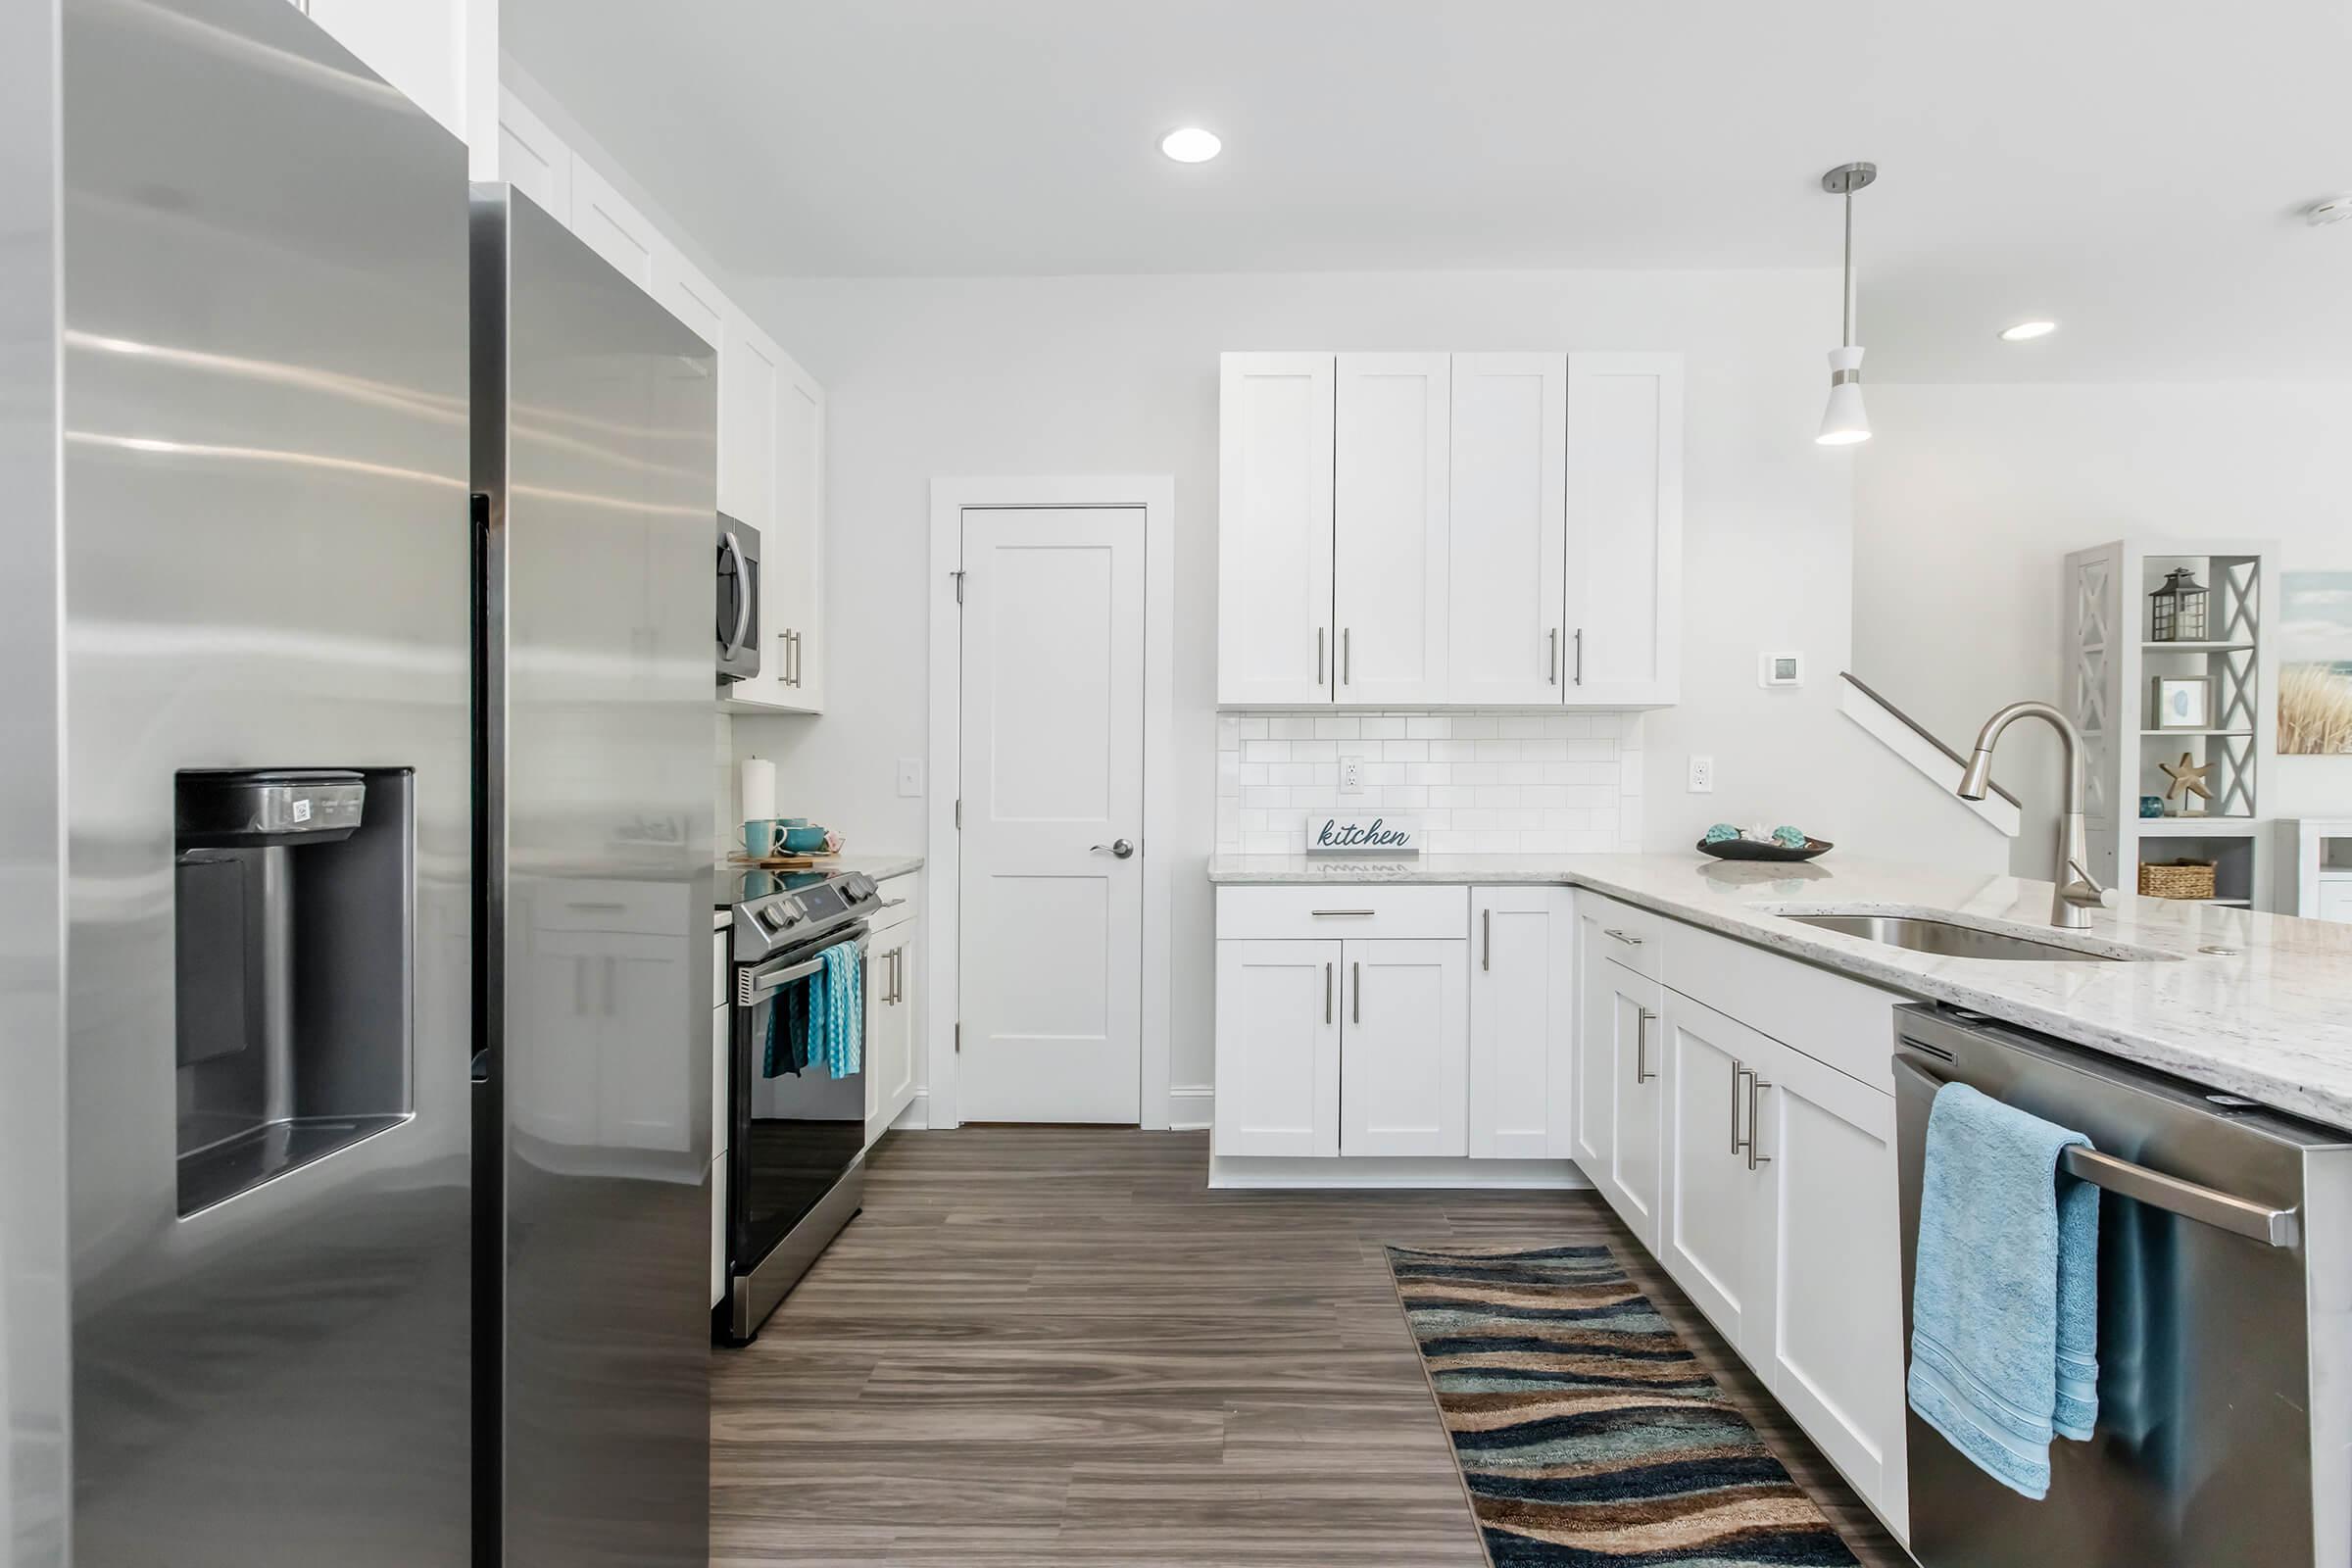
(1750, 850)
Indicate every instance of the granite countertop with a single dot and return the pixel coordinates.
(2270, 1018)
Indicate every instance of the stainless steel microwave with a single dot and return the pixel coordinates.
(738, 600)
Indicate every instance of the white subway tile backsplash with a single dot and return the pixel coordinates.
(1478, 782)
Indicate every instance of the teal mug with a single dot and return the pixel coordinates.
(804, 839)
(764, 836)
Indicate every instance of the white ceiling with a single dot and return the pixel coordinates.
(2132, 168)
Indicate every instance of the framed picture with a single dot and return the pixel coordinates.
(2314, 663)
(2183, 703)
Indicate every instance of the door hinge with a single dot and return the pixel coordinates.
(960, 1040)
(958, 576)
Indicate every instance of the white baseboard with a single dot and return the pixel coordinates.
(916, 1116)
(1191, 1110)
(1248, 1170)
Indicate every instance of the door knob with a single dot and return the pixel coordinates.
(1121, 848)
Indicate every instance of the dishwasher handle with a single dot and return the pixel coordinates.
(2240, 1216)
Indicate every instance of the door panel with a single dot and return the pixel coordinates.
(1275, 640)
(1634, 1005)
(1624, 523)
(1278, 1047)
(1506, 619)
(1405, 1049)
(1390, 540)
(1592, 1105)
(1831, 1351)
(1052, 768)
(1712, 1216)
(1522, 1020)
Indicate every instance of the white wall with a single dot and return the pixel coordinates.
(1969, 495)
(933, 377)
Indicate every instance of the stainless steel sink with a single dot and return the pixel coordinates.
(1947, 940)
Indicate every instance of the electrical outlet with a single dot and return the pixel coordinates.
(1352, 775)
(910, 776)
(1702, 774)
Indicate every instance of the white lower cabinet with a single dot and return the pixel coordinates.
(1618, 1100)
(1278, 1047)
(1522, 1022)
(1714, 1184)
(889, 1030)
(1405, 1048)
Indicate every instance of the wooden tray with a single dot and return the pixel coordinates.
(781, 863)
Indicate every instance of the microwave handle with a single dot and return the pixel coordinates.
(743, 597)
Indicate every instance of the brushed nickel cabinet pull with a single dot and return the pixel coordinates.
(1355, 974)
(1641, 1072)
(1334, 913)
(1327, 992)
(1486, 939)
(1347, 658)
(1580, 655)
(1755, 1087)
(1551, 662)
(1737, 1072)
(1320, 636)
(1612, 931)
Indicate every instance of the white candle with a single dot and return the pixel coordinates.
(759, 788)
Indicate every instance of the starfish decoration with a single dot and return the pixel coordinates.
(2188, 778)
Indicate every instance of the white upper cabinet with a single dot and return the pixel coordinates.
(690, 296)
(750, 378)
(1275, 641)
(1625, 528)
(533, 158)
(1425, 529)
(793, 552)
(1506, 619)
(612, 228)
(419, 46)
(1390, 496)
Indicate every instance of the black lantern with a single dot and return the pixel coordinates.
(2178, 609)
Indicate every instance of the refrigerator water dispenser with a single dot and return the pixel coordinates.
(294, 928)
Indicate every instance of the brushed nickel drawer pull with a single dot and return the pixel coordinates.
(1366, 914)
(1611, 931)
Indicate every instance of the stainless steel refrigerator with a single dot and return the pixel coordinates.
(357, 831)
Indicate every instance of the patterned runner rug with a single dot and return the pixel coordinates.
(1586, 1431)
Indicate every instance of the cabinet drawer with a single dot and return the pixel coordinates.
(900, 890)
(1342, 911)
(1634, 938)
(1845, 1023)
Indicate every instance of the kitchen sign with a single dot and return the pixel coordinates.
(1364, 835)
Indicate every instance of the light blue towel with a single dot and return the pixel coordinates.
(836, 1032)
(2005, 1302)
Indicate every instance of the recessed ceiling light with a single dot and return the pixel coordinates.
(2026, 332)
(1191, 145)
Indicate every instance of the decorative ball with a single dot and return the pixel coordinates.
(1789, 837)
(1722, 833)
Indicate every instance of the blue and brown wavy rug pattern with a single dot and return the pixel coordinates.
(1586, 1431)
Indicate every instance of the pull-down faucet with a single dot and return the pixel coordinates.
(2078, 890)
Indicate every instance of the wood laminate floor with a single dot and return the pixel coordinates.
(1049, 1345)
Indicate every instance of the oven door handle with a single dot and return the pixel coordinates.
(743, 594)
(2239, 1216)
(753, 983)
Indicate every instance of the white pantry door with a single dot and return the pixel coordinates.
(1052, 762)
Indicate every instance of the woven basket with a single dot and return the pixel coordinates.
(2182, 879)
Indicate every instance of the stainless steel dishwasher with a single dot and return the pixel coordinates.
(2225, 1430)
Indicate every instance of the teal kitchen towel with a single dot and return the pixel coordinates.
(836, 1033)
(2004, 1302)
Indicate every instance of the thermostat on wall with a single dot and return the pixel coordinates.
(1780, 670)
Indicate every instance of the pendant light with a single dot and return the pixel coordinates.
(1844, 422)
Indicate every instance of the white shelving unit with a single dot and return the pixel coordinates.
(2316, 867)
(2112, 662)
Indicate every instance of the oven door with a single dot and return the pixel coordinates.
(738, 600)
(794, 1135)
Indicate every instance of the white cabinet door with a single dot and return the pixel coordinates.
(1617, 1095)
(643, 1092)
(1712, 1204)
(419, 46)
(1275, 642)
(1405, 1049)
(1625, 527)
(1827, 1339)
(612, 228)
(688, 295)
(1278, 1047)
(1522, 1022)
(890, 1032)
(2335, 900)
(1508, 620)
(1391, 497)
(533, 158)
(793, 585)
